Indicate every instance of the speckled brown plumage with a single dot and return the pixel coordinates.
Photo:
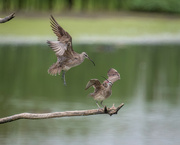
(66, 56)
(103, 90)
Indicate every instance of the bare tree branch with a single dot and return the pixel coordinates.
(105, 110)
(3, 20)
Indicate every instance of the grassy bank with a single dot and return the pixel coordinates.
(92, 26)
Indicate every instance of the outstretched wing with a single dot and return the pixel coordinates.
(64, 44)
(113, 75)
(95, 83)
(3, 20)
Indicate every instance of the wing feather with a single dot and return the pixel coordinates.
(113, 75)
(64, 44)
(58, 47)
(93, 82)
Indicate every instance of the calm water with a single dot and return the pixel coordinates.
(149, 87)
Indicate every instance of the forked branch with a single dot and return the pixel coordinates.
(105, 110)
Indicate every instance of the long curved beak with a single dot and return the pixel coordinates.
(91, 60)
(105, 78)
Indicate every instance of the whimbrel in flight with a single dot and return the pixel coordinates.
(3, 20)
(66, 56)
(103, 91)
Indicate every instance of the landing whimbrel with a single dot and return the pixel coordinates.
(103, 91)
(66, 56)
(11, 16)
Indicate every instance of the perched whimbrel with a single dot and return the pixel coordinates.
(103, 91)
(3, 20)
(66, 56)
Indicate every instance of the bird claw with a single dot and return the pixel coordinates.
(63, 78)
(65, 83)
(105, 109)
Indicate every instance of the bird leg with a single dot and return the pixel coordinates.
(101, 103)
(98, 105)
(63, 77)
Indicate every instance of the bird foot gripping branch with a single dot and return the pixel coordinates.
(112, 110)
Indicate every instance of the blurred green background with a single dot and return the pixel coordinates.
(140, 39)
(167, 6)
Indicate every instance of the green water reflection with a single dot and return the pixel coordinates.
(150, 76)
(23, 71)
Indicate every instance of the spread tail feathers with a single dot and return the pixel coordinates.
(55, 69)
